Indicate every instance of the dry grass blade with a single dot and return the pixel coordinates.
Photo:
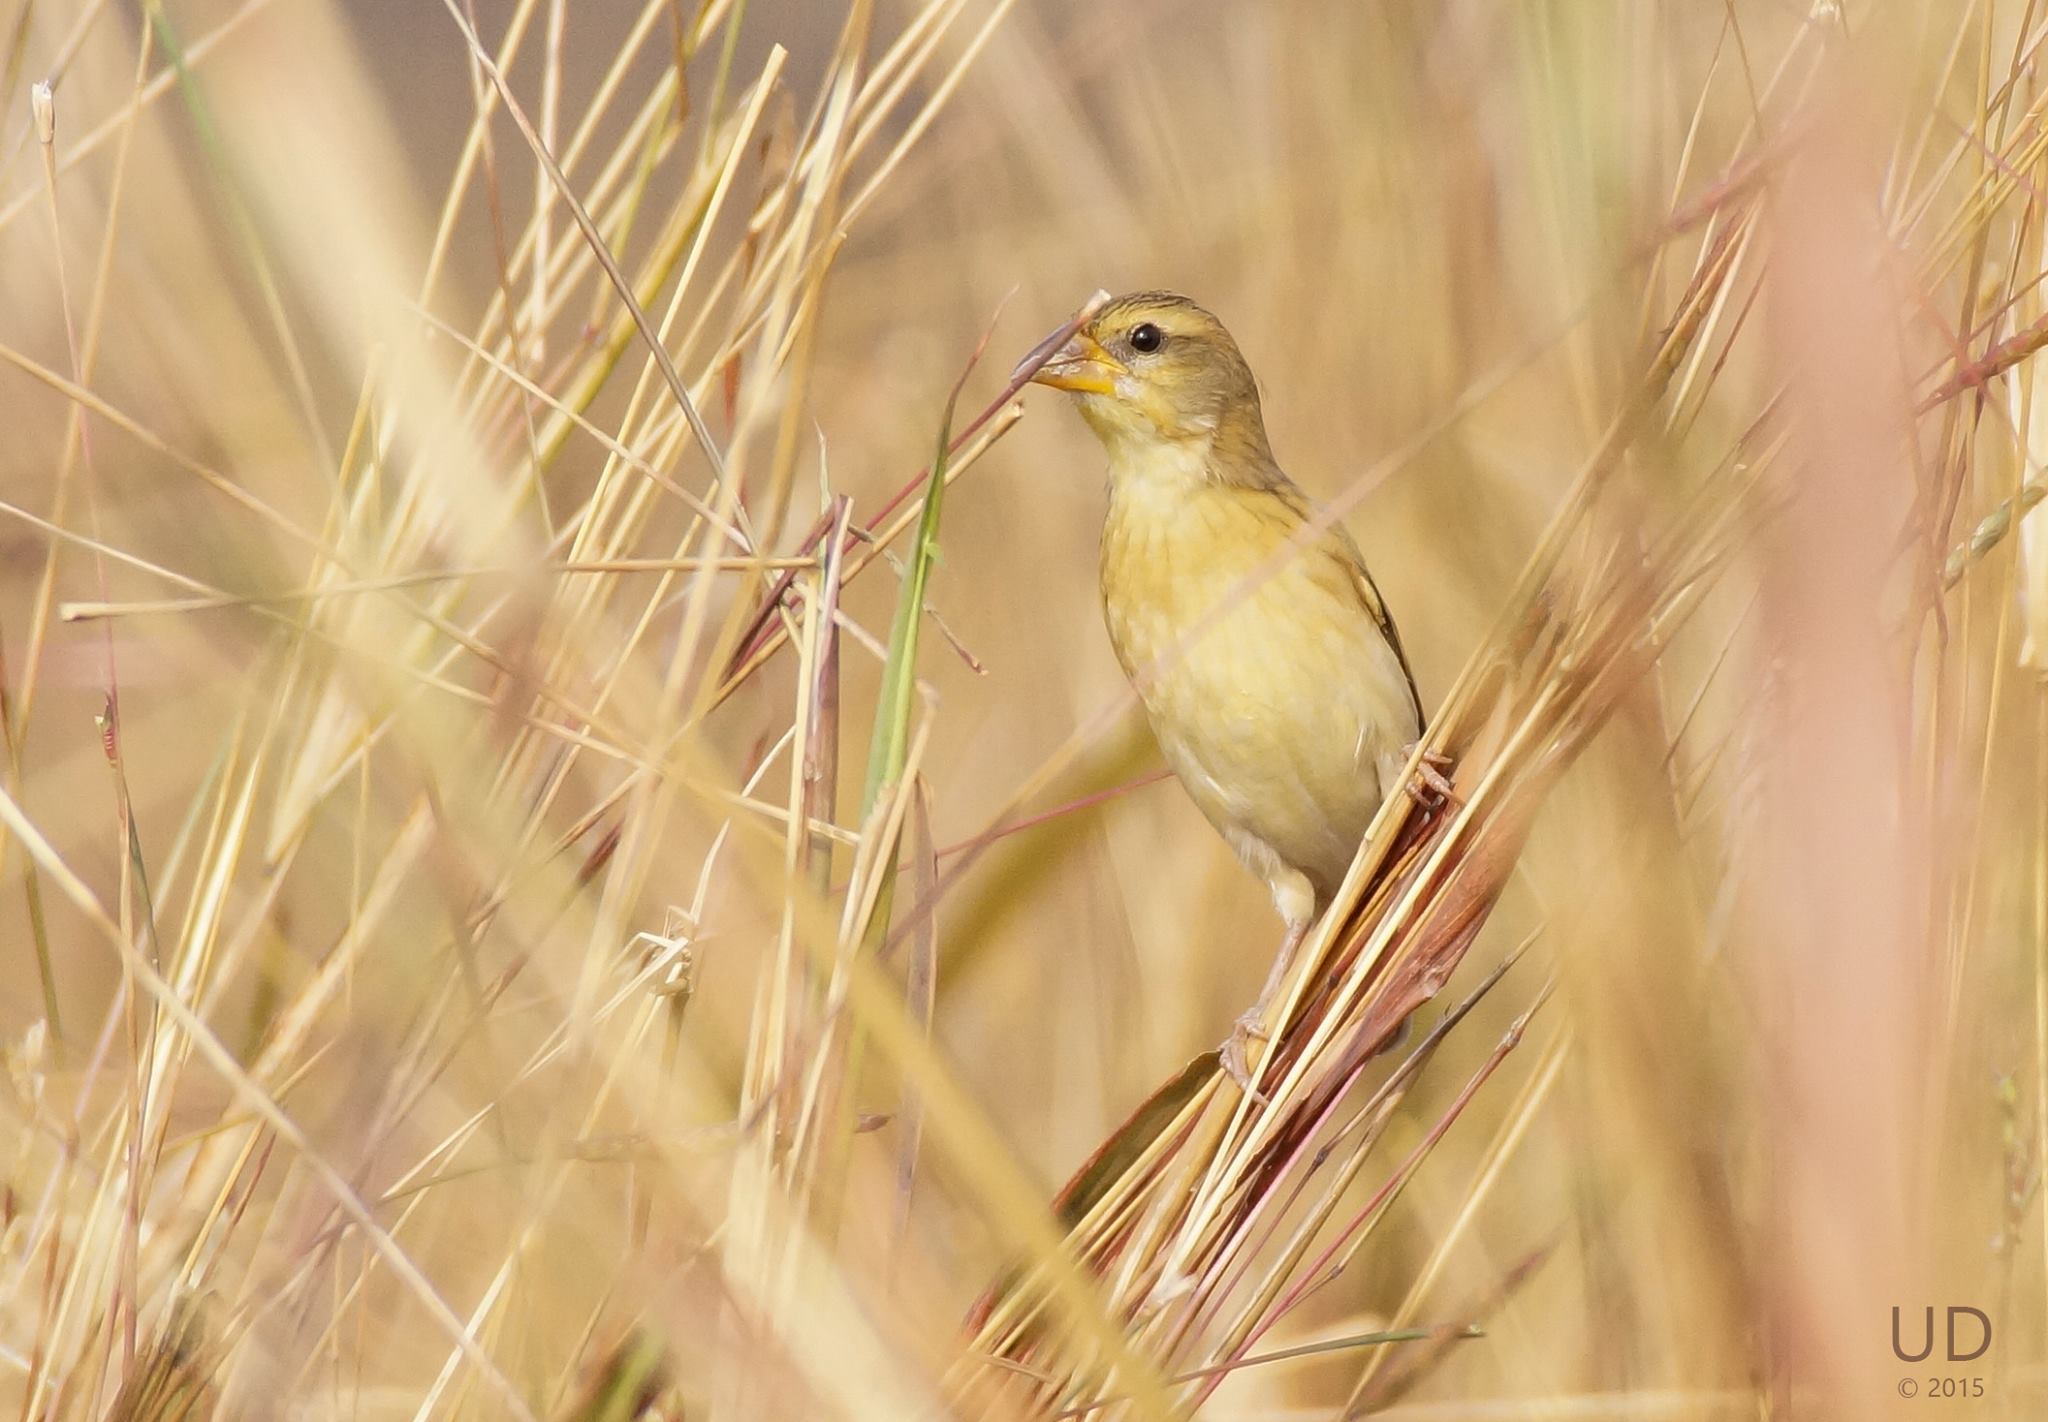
(172, 1380)
(459, 510)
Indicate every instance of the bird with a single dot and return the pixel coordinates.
(1264, 655)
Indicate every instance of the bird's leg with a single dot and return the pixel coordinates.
(1429, 787)
(1252, 1025)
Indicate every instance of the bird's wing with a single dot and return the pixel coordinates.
(1338, 543)
(1377, 605)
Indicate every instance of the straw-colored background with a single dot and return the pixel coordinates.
(1792, 895)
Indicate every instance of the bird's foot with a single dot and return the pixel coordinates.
(1429, 787)
(1247, 1028)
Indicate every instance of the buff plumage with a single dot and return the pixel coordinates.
(1267, 662)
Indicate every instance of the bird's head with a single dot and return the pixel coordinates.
(1154, 367)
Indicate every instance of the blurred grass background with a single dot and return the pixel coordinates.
(393, 843)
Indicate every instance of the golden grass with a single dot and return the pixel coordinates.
(572, 848)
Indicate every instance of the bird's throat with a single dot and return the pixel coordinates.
(1152, 469)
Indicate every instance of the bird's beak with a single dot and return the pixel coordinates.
(1080, 365)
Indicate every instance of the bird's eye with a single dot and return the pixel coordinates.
(1147, 338)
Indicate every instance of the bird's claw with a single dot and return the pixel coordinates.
(1429, 787)
(1235, 1064)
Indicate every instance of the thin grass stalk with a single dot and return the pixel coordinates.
(599, 747)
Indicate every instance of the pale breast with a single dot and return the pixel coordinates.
(1279, 703)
